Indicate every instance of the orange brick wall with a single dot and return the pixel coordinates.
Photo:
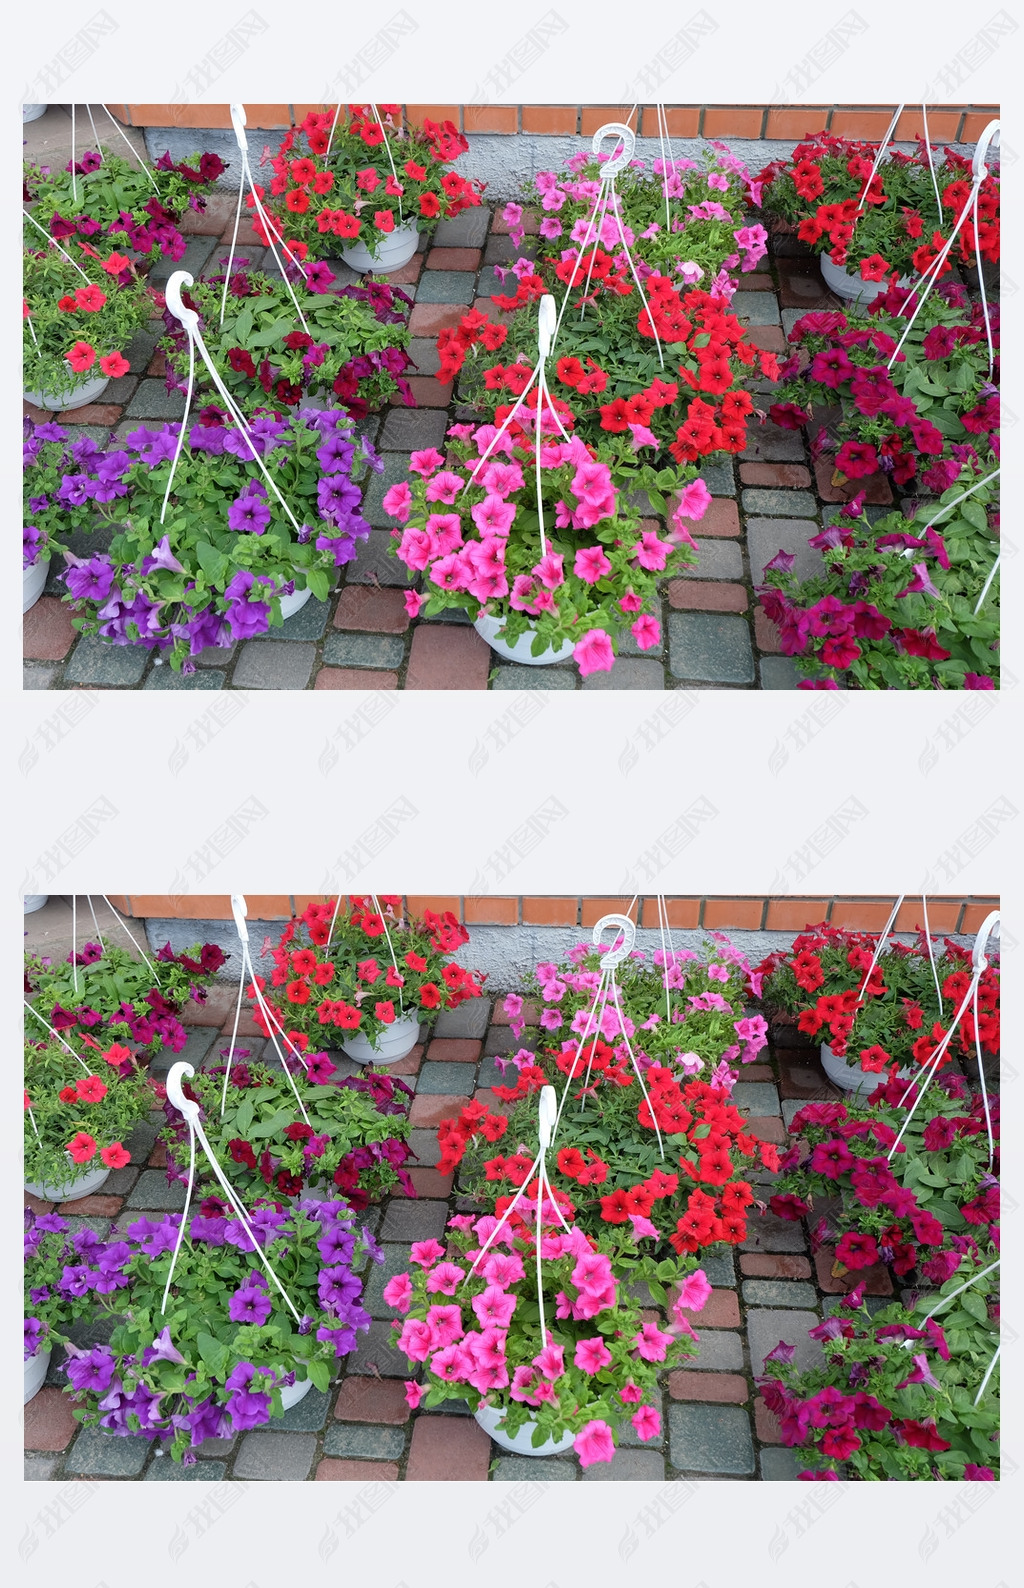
(755, 912)
(954, 123)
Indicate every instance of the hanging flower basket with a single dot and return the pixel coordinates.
(520, 650)
(391, 250)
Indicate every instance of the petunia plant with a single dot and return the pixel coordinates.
(208, 564)
(344, 968)
(211, 1360)
(343, 179)
(52, 1306)
(350, 1136)
(470, 1325)
(74, 328)
(79, 1111)
(353, 347)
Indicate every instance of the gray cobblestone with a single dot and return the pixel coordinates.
(720, 1352)
(167, 678)
(447, 1080)
(530, 678)
(780, 1466)
(766, 1328)
(105, 1455)
(154, 401)
(770, 443)
(720, 478)
(424, 354)
(374, 565)
(364, 1442)
(711, 647)
(164, 1470)
(308, 623)
(779, 672)
(759, 499)
(153, 1193)
(778, 1293)
(197, 252)
(719, 559)
(425, 1147)
(307, 1416)
(767, 1233)
(756, 308)
(413, 429)
(376, 1355)
(363, 650)
(767, 536)
(263, 1455)
(446, 286)
(756, 1097)
(465, 230)
(637, 1466)
(95, 661)
(534, 1469)
(274, 664)
(416, 1220)
(396, 1261)
(629, 672)
(705, 1438)
(470, 1019)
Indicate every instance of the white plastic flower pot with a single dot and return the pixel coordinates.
(848, 284)
(290, 604)
(35, 1372)
(392, 1044)
(487, 628)
(292, 1394)
(394, 249)
(33, 112)
(80, 1185)
(75, 396)
(34, 582)
(35, 901)
(850, 1077)
(522, 1443)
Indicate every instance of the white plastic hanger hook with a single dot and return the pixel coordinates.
(615, 956)
(988, 928)
(239, 911)
(621, 133)
(172, 292)
(238, 123)
(183, 1104)
(547, 1110)
(988, 140)
(546, 318)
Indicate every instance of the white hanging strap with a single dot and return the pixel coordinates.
(957, 1292)
(96, 924)
(989, 137)
(74, 942)
(152, 968)
(986, 587)
(665, 145)
(238, 124)
(59, 1038)
(55, 244)
(239, 911)
(190, 1111)
(882, 940)
(135, 153)
(931, 162)
(74, 179)
(931, 953)
(878, 157)
(989, 927)
(607, 197)
(334, 917)
(95, 134)
(546, 1117)
(391, 159)
(988, 1374)
(31, 328)
(190, 320)
(664, 929)
(391, 949)
(545, 338)
(334, 123)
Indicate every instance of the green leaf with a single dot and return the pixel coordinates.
(213, 1352)
(212, 561)
(971, 1302)
(319, 584)
(975, 514)
(320, 1373)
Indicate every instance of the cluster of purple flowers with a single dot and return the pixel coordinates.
(158, 1021)
(125, 1401)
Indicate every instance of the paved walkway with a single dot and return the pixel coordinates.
(714, 635)
(714, 1425)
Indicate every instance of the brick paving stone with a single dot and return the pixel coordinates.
(766, 1423)
(630, 1466)
(756, 308)
(626, 1435)
(94, 661)
(792, 475)
(197, 1045)
(719, 478)
(780, 1466)
(34, 677)
(767, 1233)
(152, 400)
(453, 1050)
(721, 518)
(414, 1221)
(427, 319)
(197, 252)
(168, 1471)
(447, 658)
(428, 392)
(771, 338)
(364, 1441)
(534, 678)
(363, 608)
(354, 678)
(766, 633)
(369, 1400)
(770, 443)
(803, 288)
(453, 259)
(691, 595)
(876, 487)
(802, 1077)
(710, 1439)
(876, 1280)
(428, 1110)
(628, 673)
(832, 1304)
(454, 1079)
(759, 1265)
(766, 1328)
(755, 1097)
(443, 1449)
(106, 1206)
(410, 1064)
(469, 1020)
(383, 651)
(720, 1311)
(709, 647)
(767, 536)
(767, 1127)
(274, 664)
(396, 469)
(40, 1469)
(760, 499)
(308, 623)
(719, 1353)
(721, 1387)
(465, 230)
(166, 678)
(424, 354)
(49, 1420)
(263, 1454)
(425, 1147)
(47, 631)
(96, 1452)
(153, 1192)
(376, 1355)
(719, 559)
(778, 1293)
(779, 672)
(533, 1469)
(412, 430)
(429, 1183)
(446, 286)
(308, 1416)
(719, 1267)
(356, 1472)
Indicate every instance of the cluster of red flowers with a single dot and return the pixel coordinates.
(454, 342)
(708, 428)
(453, 1135)
(598, 270)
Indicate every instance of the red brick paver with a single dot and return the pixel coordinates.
(330, 1471)
(47, 630)
(430, 1108)
(105, 1207)
(876, 1280)
(766, 1423)
(707, 595)
(372, 1400)
(427, 319)
(360, 606)
(726, 1388)
(875, 487)
(429, 1183)
(720, 1311)
(792, 475)
(768, 1127)
(453, 1050)
(448, 656)
(721, 518)
(49, 1423)
(445, 1448)
(453, 259)
(354, 678)
(764, 1265)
